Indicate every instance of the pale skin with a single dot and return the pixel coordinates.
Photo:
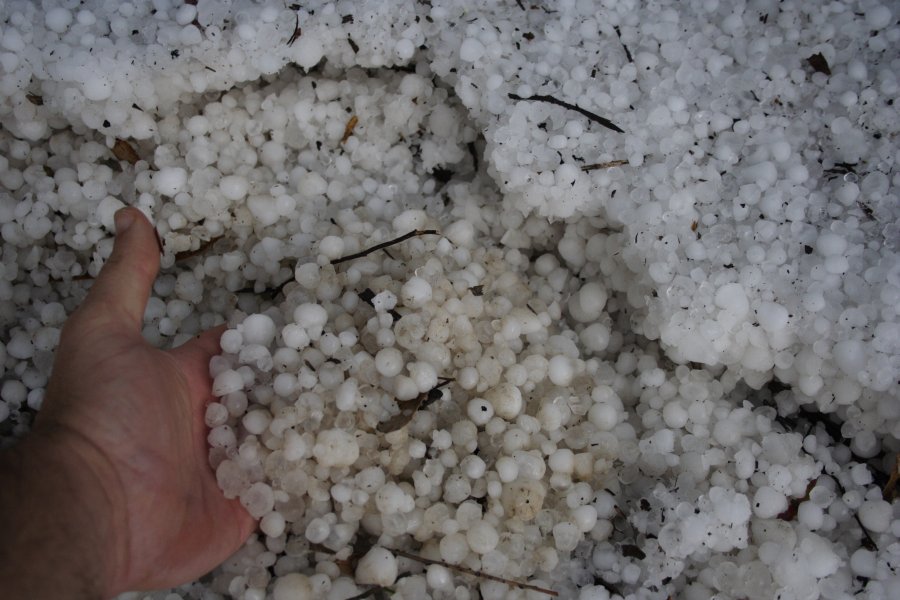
(112, 490)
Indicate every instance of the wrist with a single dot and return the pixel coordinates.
(59, 509)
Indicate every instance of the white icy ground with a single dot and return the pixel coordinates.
(747, 234)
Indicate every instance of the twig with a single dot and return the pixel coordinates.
(297, 31)
(590, 115)
(889, 488)
(408, 408)
(200, 249)
(376, 247)
(429, 561)
(604, 165)
(624, 47)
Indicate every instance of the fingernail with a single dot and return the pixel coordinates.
(124, 219)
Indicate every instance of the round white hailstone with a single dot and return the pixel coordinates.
(294, 336)
(850, 356)
(257, 421)
(331, 247)
(507, 469)
(336, 448)
(415, 293)
(377, 567)
(605, 416)
(821, 558)
(810, 515)
(674, 414)
(295, 446)
(471, 50)
(308, 51)
(506, 400)
(424, 375)
(439, 578)
(404, 49)
(566, 536)
(584, 517)
(258, 499)
(863, 563)
(227, 382)
(231, 341)
(878, 17)
(595, 337)
(58, 19)
(454, 548)
(523, 499)
(772, 316)
(479, 411)
(562, 461)
(768, 503)
(389, 362)
(312, 317)
(258, 329)
(317, 530)
(461, 233)
(472, 466)
(272, 524)
(482, 537)
(561, 370)
(293, 586)
(876, 515)
(233, 187)
(733, 298)
(97, 88)
(391, 499)
(587, 304)
(170, 180)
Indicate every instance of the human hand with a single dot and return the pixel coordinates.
(124, 421)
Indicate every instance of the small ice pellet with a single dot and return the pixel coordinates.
(471, 50)
(258, 329)
(415, 293)
(227, 382)
(561, 371)
(273, 524)
(389, 362)
(482, 537)
(768, 503)
(233, 187)
(336, 448)
(293, 586)
(377, 567)
(170, 180)
(876, 515)
(258, 499)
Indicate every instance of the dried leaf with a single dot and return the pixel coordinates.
(124, 151)
(35, 99)
(605, 165)
(819, 64)
(348, 129)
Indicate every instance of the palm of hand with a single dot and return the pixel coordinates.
(131, 416)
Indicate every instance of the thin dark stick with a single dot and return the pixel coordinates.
(624, 47)
(592, 116)
(375, 248)
(604, 165)
(429, 561)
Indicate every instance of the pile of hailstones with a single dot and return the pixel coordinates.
(305, 391)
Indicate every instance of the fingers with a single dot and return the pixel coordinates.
(121, 289)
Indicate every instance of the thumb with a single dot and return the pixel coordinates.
(121, 290)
